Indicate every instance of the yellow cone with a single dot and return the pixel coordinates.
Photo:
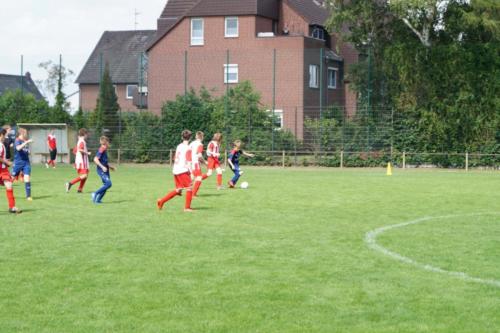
(389, 169)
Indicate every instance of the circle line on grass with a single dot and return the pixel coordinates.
(371, 241)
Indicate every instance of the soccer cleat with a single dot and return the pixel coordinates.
(230, 184)
(68, 187)
(93, 197)
(188, 210)
(15, 210)
(159, 204)
(29, 198)
(47, 165)
(79, 191)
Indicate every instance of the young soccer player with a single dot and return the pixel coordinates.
(81, 161)
(213, 153)
(234, 163)
(103, 167)
(22, 160)
(5, 177)
(52, 144)
(182, 174)
(196, 148)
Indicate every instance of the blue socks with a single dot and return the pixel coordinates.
(27, 187)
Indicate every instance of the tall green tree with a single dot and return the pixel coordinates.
(106, 118)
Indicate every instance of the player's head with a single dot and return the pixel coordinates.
(104, 140)
(200, 135)
(3, 133)
(186, 135)
(7, 128)
(217, 137)
(82, 132)
(237, 144)
(22, 133)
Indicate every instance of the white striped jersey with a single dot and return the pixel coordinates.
(182, 162)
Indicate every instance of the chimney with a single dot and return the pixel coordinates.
(28, 75)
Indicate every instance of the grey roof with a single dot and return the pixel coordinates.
(121, 50)
(314, 11)
(16, 82)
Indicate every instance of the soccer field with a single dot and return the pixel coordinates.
(300, 251)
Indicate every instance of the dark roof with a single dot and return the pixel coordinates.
(176, 10)
(121, 50)
(314, 11)
(15, 82)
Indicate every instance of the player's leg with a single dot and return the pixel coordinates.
(219, 176)
(27, 181)
(100, 193)
(172, 194)
(84, 177)
(232, 182)
(10, 195)
(198, 177)
(73, 182)
(188, 186)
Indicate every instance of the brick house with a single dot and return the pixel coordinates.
(219, 43)
(124, 53)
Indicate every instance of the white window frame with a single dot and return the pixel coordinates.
(198, 41)
(280, 114)
(127, 96)
(314, 84)
(226, 34)
(227, 71)
(336, 71)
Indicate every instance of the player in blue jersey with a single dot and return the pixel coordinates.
(103, 167)
(22, 160)
(234, 162)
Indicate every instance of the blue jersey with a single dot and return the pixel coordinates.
(21, 156)
(102, 155)
(234, 156)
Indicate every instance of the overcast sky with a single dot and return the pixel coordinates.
(42, 29)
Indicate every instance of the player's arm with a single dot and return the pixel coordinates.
(24, 144)
(99, 164)
(5, 161)
(248, 154)
(229, 160)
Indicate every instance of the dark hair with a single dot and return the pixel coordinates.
(3, 131)
(200, 134)
(82, 132)
(186, 134)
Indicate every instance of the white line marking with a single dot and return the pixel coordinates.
(371, 241)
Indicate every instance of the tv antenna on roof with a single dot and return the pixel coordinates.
(136, 16)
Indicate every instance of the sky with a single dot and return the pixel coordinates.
(40, 30)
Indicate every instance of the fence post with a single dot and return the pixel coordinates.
(225, 159)
(283, 160)
(341, 159)
(404, 160)
(170, 158)
(467, 161)
(119, 156)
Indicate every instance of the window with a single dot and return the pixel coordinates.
(230, 73)
(318, 33)
(313, 76)
(197, 32)
(131, 89)
(332, 78)
(278, 118)
(231, 27)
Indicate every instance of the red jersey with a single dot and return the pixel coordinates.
(182, 162)
(51, 140)
(213, 149)
(82, 158)
(3, 166)
(196, 153)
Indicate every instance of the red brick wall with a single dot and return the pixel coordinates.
(295, 23)
(90, 92)
(253, 55)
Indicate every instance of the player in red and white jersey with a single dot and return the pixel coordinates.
(5, 177)
(197, 158)
(81, 161)
(182, 174)
(213, 153)
(52, 144)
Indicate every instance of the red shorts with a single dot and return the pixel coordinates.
(5, 176)
(82, 171)
(197, 171)
(183, 181)
(213, 163)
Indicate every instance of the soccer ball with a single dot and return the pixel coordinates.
(244, 185)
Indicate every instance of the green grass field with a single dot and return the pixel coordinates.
(287, 255)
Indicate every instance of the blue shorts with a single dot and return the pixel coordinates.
(24, 167)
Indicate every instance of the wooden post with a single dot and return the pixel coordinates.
(225, 159)
(404, 160)
(467, 161)
(341, 159)
(119, 156)
(283, 160)
(170, 158)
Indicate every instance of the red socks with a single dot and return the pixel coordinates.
(11, 199)
(203, 177)
(197, 185)
(219, 180)
(82, 184)
(189, 198)
(168, 197)
(76, 180)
